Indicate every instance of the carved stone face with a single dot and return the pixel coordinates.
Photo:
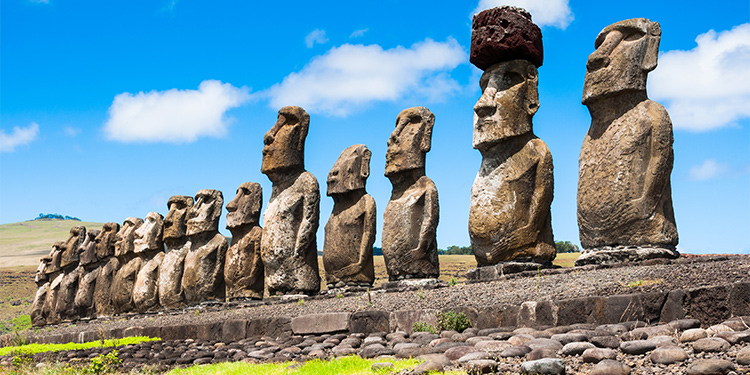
(175, 224)
(285, 142)
(509, 100)
(105, 241)
(244, 209)
(204, 215)
(625, 52)
(126, 235)
(410, 141)
(54, 264)
(87, 250)
(149, 235)
(350, 171)
(70, 253)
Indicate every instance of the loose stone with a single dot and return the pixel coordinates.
(576, 348)
(668, 354)
(710, 367)
(710, 344)
(595, 355)
(693, 334)
(543, 366)
(610, 367)
(637, 347)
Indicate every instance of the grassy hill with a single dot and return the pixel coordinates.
(22, 244)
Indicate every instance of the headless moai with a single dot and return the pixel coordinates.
(288, 244)
(130, 264)
(243, 270)
(148, 245)
(88, 270)
(350, 231)
(178, 245)
(411, 217)
(108, 266)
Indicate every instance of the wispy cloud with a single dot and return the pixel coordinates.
(708, 86)
(18, 137)
(71, 131)
(554, 13)
(39, 1)
(315, 36)
(708, 170)
(358, 33)
(170, 6)
(351, 76)
(174, 116)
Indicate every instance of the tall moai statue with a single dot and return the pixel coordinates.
(178, 245)
(509, 214)
(149, 246)
(65, 305)
(624, 191)
(243, 270)
(288, 244)
(108, 266)
(130, 264)
(203, 278)
(55, 277)
(88, 271)
(42, 280)
(411, 217)
(350, 232)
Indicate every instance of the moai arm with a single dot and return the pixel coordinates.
(368, 238)
(430, 222)
(540, 200)
(309, 224)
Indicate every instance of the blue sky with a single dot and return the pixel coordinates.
(109, 108)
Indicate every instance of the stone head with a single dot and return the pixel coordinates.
(55, 254)
(244, 209)
(87, 251)
(204, 215)
(284, 144)
(70, 252)
(175, 224)
(148, 237)
(41, 275)
(126, 235)
(509, 100)
(105, 241)
(350, 171)
(625, 52)
(410, 141)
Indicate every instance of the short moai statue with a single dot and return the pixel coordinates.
(203, 278)
(65, 305)
(624, 191)
(148, 245)
(88, 270)
(108, 266)
(42, 279)
(130, 264)
(509, 213)
(288, 244)
(55, 277)
(178, 245)
(243, 270)
(350, 232)
(411, 217)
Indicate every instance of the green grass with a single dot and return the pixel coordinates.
(16, 324)
(41, 348)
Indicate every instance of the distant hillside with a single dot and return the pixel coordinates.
(22, 244)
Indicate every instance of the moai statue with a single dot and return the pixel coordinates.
(243, 270)
(178, 245)
(149, 246)
(350, 232)
(55, 276)
(88, 271)
(509, 214)
(203, 278)
(42, 280)
(130, 264)
(411, 217)
(624, 190)
(288, 245)
(108, 266)
(69, 263)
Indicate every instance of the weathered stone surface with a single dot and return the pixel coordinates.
(509, 215)
(320, 323)
(130, 264)
(610, 367)
(350, 232)
(515, 351)
(369, 321)
(624, 192)
(667, 355)
(502, 34)
(243, 270)
(288, 245)
(710, 344)
(178, 245)
(203, 277)
(403, 320)
(411, 217)
(710, 367)
(543, 366)
(743, 356)
(65, 306)
(69, 256)
(576, 348)
(595, 355)
(149, 245)
(637, 347)
(102, 298)
(693, 334)
(105, 241)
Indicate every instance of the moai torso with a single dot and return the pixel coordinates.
(411, 217)
(65, 304)
(178, 245)
(42, 278)
(149, 246)
(108, 265)
(88, 269)
(350, 231)
(203, 278)
(288, 243)
(130, 264)
(243, 270)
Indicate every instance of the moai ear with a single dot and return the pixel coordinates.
(532, 90)
(429, 120)
(365, 162)
(652, 49)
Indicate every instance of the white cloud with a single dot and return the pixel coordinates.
(315, 36)
(174, 116)
(709, 170)
(170, 6)
(543, 12)
(351, 76)
(39, 1)
(707, 87)
(71, 131)
(19, 137)
(358, 33)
